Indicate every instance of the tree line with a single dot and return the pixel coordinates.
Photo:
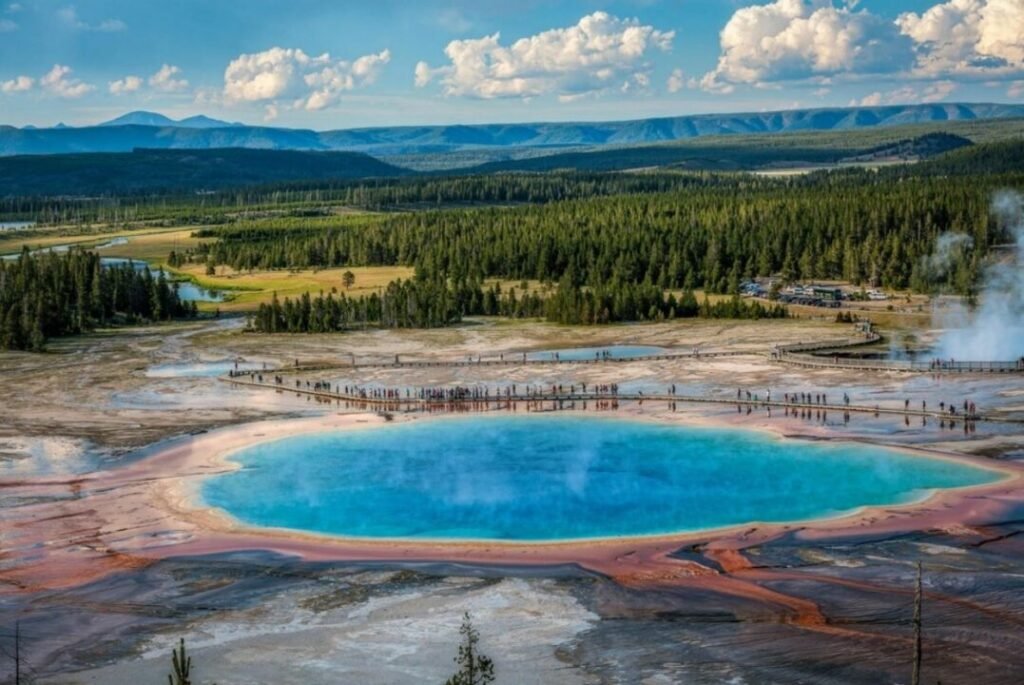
(49, 294)
(862, 228)
(424, 302)
(317, 198)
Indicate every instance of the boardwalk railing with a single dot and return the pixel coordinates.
(802, 354)
(544, 401)
(509, 360)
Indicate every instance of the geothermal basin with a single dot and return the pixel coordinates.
(538, 479)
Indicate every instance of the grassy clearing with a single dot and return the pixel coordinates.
(801, 170)
(153, 247)
(249, 290)
(149, 244)
(14, 243)
(252, 289)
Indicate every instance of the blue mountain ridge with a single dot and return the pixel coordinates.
(156, 131)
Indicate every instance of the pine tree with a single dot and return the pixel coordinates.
(182, 665)
(474, 667)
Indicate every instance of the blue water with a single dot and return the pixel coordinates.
(546, 478)
(187, 290)
(201, 369)
(61, 249)
(576, 354)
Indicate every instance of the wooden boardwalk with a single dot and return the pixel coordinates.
(802, 354)
(509, 360)
(796, 354)
(583, 400)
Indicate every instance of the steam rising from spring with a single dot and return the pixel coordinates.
(995, 330)
(947, 248)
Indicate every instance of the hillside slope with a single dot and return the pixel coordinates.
(178, 170)
(440, 139)
(749, 152)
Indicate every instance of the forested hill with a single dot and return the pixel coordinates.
(995, 158)
(736, 153)
(372, 183)
(168, 134)
(179, 170)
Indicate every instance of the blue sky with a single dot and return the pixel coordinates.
(319, 64)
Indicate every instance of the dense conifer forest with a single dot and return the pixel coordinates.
(312, 199)
(50, 294)
(434, 303)
(862, 227)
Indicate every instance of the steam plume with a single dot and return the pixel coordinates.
(995, 330)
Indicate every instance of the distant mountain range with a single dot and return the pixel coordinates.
(155, 131)
(154, 119)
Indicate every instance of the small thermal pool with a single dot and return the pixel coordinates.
(201, 369)
(554, 478)
(576, 354)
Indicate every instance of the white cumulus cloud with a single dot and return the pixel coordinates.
(290, 74)
(334, 78)
(423, 74)
(166, 80)
(128, 84)
(58, 81)
(801, 39)
(600, 52)
(676, 81)
(6, 26)
(967, 36)
(909, 95)
(794, 40)
(18, 84)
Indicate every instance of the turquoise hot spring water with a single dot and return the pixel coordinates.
(530, 478)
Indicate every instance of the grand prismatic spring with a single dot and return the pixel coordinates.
(543, 479)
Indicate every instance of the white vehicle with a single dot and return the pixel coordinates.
(877, 295)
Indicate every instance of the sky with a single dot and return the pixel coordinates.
(341, 64)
